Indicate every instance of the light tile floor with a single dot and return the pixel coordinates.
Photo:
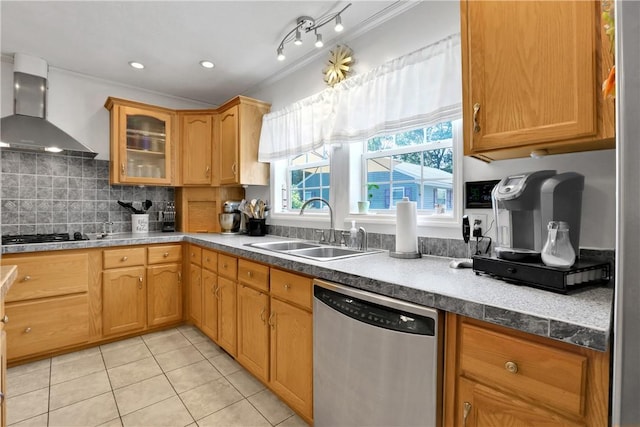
(177, 377)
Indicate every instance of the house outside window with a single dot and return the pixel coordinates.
(417, 164)
(308, 176)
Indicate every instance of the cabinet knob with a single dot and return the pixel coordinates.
(140, 282)
(179, 277)
(27, 330)
(193, 255)
(224, 265)
(271, 321)
(166, 254)
(208, 260)
(262, 315)
(124, 258)
(250, 273)
(511, 367)
(206, 171)
(476, 124)
(287, 286)
(234, 168)
(5, 319)
(465, 413)
(26, 278)
(122, 168)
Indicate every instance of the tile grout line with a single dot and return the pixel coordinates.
(113, 394)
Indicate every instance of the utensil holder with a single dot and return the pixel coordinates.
(139, 223)
(257, 227)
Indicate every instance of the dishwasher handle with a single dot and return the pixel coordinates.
(375, 314)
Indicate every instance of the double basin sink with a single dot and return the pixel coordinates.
(310, 250)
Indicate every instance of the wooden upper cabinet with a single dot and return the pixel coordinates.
(196, 141)
(532, 73)
(240, 125)
(141, 146)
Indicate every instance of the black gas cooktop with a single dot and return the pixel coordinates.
(21, 239)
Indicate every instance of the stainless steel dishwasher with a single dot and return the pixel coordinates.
(376, 360)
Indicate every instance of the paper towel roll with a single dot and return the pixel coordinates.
(406, 226)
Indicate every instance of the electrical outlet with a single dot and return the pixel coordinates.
(473, 218)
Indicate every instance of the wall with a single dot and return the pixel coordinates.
(418, 27)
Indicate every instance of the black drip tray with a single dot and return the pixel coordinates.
(582, 273)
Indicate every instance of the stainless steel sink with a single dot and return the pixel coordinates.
(311, 250)
(284, 246)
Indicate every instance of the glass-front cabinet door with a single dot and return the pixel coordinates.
(141, 144)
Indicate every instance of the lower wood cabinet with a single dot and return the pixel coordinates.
(51, 323)
(253, 331)
(123, 300)
(501, 377)
(291, 375)
(164, 294)
(226, 295)
(49, 302)
(210, 315)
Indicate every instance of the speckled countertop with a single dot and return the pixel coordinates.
(582, 318)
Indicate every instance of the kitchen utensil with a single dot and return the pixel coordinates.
(261, 207)
(147, 204)
(129, 206)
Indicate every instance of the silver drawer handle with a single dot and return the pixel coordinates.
(5, 319)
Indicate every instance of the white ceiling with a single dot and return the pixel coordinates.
(99, 38)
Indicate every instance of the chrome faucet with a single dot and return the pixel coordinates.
(363, 243)
(332, 231)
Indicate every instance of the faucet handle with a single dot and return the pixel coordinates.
(321, 232)
(343, 237)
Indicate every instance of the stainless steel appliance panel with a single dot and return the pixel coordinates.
(376, 360)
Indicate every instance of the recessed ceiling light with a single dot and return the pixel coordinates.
(136, 65)
(207, 64)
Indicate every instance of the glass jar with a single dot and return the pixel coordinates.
(558, 251)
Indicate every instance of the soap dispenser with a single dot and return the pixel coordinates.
(353, 236)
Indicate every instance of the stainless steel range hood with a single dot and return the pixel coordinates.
(28, 129)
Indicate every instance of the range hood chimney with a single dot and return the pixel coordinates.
(28, 129)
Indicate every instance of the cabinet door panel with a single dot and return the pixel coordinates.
(46, 324)
(196, 149)
(227, 314)
(123, 300)
(229, 166)
(291, 373)
(195, 294)
(210, 304)
(488, 408)
(164, 294)
(253, 331)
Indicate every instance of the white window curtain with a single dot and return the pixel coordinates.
(299, 128)
(418, 89)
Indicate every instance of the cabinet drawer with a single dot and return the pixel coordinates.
(163, 254)
(291, 287)
(253, 274)
(195, 255)
(48, 275)
(114, 258)
(540, 373)
(46, 325)
(227, 266)
(210, 260)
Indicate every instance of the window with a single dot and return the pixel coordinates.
(417, 164)
(308, 176)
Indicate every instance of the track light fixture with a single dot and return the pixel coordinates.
(306, 24)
